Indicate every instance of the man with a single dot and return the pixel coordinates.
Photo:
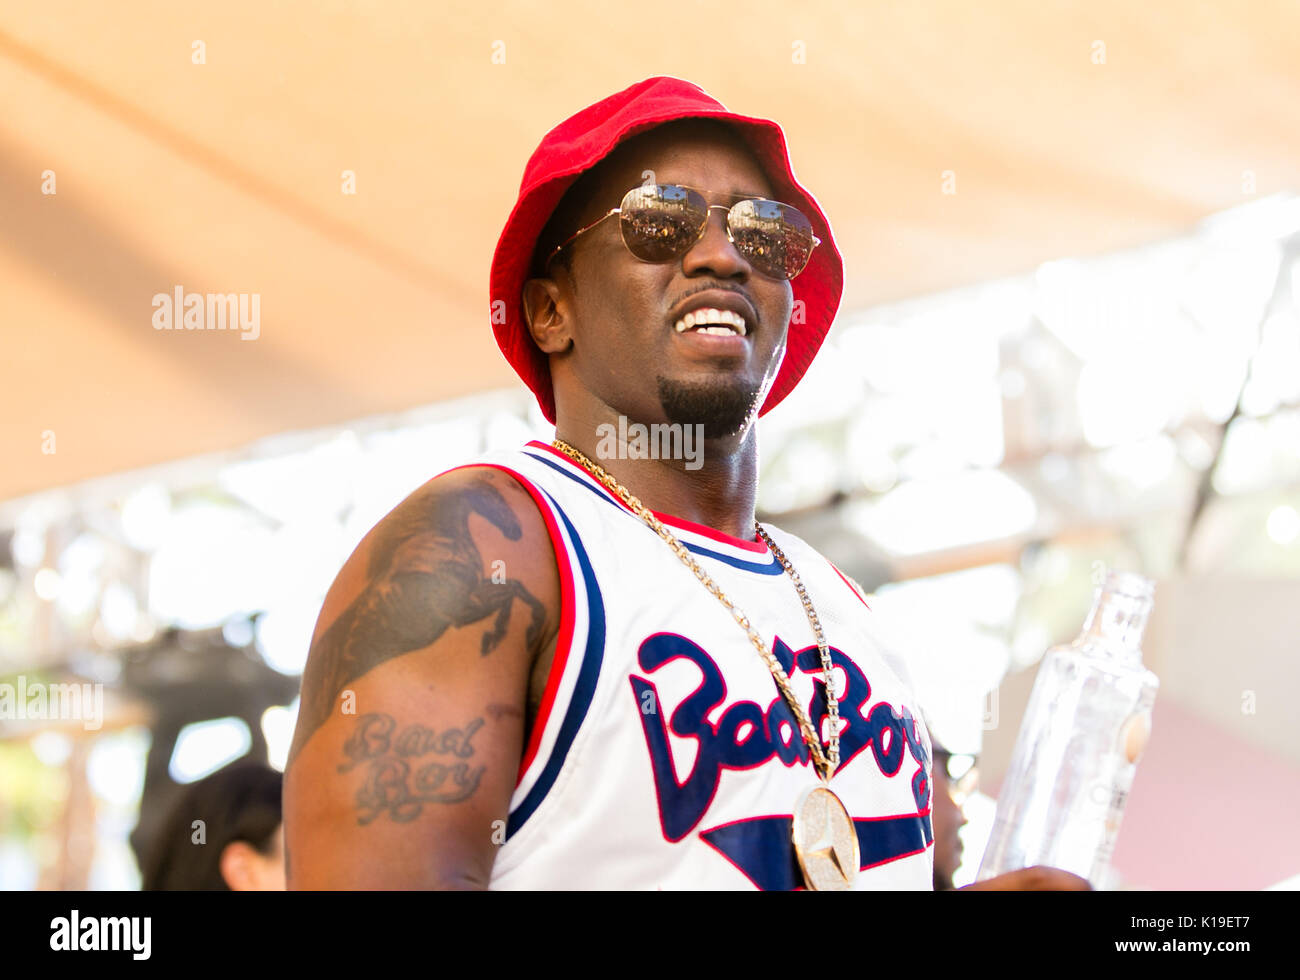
(582, 665)
(948, 793)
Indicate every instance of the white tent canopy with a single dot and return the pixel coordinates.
(206, 149)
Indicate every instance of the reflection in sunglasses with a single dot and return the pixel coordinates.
(661, 222)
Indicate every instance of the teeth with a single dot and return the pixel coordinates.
(728, 323)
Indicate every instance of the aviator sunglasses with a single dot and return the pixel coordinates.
(662, 222)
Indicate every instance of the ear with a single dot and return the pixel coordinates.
(238, 866)
(549, 312)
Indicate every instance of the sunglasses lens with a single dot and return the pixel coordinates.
(776, 238)
(661, 222)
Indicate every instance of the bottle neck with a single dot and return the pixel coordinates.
(1116, 623)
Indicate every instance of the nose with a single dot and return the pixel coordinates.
(714, 253)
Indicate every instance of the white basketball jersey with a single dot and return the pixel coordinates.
(663, 755)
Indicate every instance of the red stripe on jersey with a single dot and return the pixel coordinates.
(849, 584)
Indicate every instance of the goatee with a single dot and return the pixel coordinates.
(723, 408)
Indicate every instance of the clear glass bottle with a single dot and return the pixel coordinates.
(1088, 720)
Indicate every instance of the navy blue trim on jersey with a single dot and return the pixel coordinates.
(583, 689)
(761, 848)
(772, 567)
(889, 838)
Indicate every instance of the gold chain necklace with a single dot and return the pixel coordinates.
(825, 842)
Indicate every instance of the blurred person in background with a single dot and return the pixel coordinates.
(953, 779)
(239, 844)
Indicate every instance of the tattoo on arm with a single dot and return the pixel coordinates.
(424, 575)
(398, 781)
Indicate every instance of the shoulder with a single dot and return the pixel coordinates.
(793, 546)
(485, 516)
(483, 496)
(896, 641)
(464, 540)
(487, 489)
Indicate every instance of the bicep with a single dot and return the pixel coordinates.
(409, 784)
(411, 724)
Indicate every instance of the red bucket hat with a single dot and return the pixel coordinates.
(582, 141)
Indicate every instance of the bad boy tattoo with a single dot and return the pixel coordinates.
(398, 781)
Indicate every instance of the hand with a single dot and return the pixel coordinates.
(1036, 879)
